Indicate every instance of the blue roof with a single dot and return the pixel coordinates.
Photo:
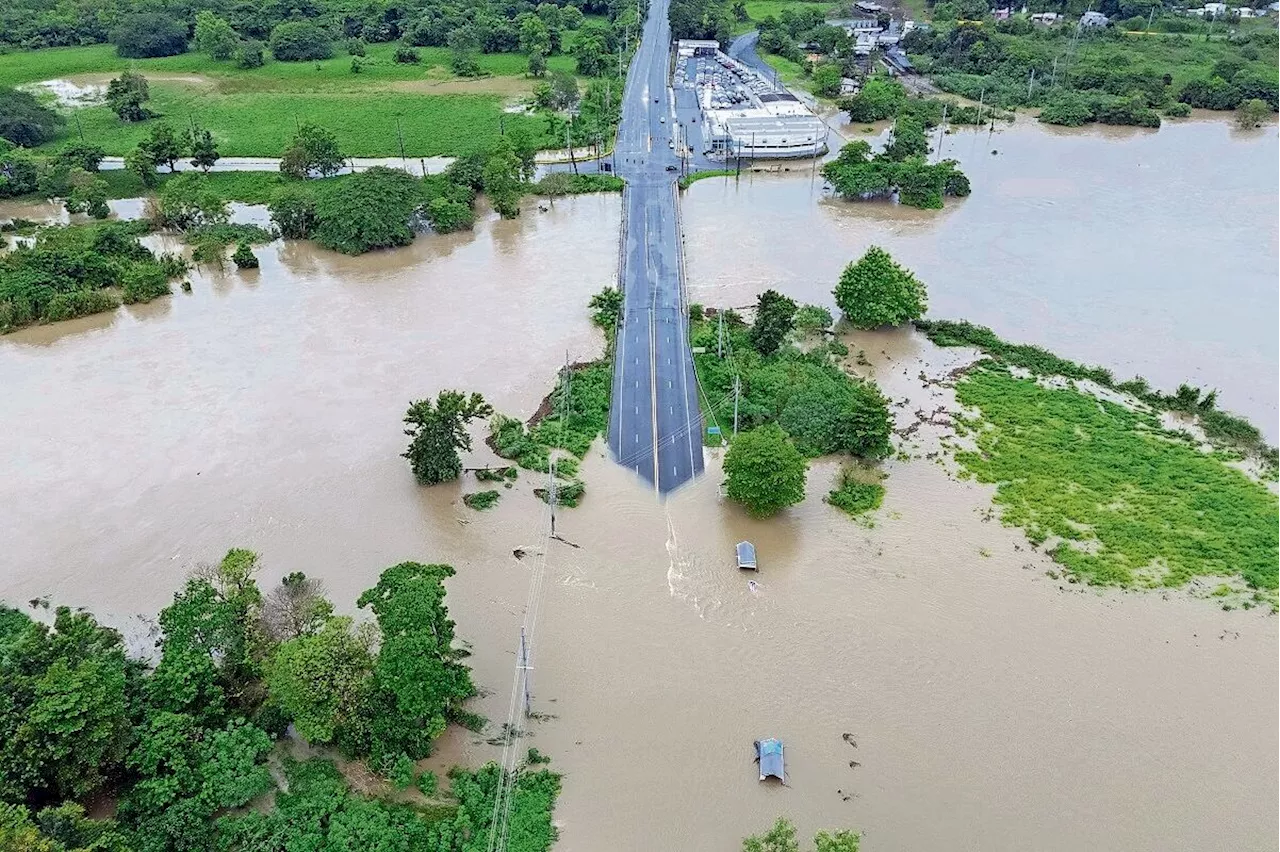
(770, 754)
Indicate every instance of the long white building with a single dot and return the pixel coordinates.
(743, 112)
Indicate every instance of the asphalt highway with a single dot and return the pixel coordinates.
(655, 425)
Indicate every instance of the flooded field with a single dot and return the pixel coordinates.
(992, 708)
(1152, 253)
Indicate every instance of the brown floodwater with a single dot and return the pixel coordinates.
(992, 707)
(1152, 253)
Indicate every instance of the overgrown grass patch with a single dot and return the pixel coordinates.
(1222, 428)
(481, 500)
(855, 496)
(1126, 505)
(689, 180)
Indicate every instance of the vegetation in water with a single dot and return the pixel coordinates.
(496, 474)
(875, 291)
(822, 408)
(181, 740)
(1124, 503)
(764, 471)
(481, 500)
(902, 169)
(1224, 429)
(855, 496)
(73, 271)
(437, 431)
(782, 837)
(692, 178)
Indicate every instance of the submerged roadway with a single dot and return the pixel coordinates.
(655, 425)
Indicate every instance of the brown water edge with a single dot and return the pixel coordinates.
(1150, 253)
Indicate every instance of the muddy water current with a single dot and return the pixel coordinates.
(935, 689)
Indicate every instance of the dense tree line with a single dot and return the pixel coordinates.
(295, 31)
(181, 740)
(1012, 63)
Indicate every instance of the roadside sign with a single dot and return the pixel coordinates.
(713, 430)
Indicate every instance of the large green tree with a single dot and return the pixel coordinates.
(164, 145)
(320, 679)
(298, 41)
(64, 705)
(764, 471)
(419, 679)
(502, 179)
(876, 292)
(437, 431)
(147, 35)
(372, 209)
(775, 317)
(126, 95)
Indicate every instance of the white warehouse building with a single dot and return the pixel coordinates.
(744, 113)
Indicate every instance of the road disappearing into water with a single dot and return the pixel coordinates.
(655, 425)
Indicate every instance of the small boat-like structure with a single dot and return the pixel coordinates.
(769, 754)
(746, 556)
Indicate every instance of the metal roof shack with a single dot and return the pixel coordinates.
(746, 555)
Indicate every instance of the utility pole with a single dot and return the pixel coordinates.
(569, 145)
(942, 130)
(78, 127)
(1031, 82)
(737, 392)
(981, 97)
(1053, 78)
(526, 668)
(551, 494)
(1151, 18)
(720, 333)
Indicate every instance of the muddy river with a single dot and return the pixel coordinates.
(992, 707)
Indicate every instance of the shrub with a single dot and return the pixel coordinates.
(1177, 109)
(406, 55)
(855, 497)
(293, 210)
(244, 258)
(876, 291)
(250, 54)
(299, 41)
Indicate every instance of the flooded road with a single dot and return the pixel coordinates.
(992, 707)
(1152, 253)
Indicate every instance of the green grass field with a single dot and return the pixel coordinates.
(1129, 505)
(254, 112)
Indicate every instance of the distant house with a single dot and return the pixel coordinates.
(1045, 18)
(848, 86)
(1000, 14)
(1093, 19)
(1215, 9)
(868, 8)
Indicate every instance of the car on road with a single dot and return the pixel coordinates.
(662, 119)
(671, 168)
